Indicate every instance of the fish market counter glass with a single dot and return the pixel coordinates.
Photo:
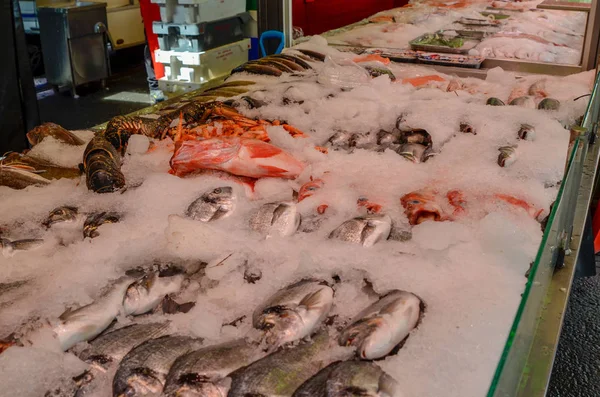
(533, 36)
(315, 216)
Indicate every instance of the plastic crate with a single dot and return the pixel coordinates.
(199, 67)
(200, 37)
(197, 11)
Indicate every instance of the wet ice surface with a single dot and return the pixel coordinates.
(469, 272)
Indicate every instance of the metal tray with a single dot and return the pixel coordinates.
(468, 45)
(394, 54)
(465, 61)
(479, 22)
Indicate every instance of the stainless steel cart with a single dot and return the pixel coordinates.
(73, 37)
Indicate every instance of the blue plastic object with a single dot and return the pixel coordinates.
(271, 34)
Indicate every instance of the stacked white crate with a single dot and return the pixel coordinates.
(192, 69)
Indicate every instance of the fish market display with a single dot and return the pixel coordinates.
(279, 234)
(496, 29)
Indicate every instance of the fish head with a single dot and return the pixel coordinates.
(420, 207)
(194, 385)
(416, 135)
(61, 214)
(281, 325)
(141, 382)
(220, 194)
(309, 188)
(355, 334)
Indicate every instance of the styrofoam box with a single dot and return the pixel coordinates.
(199, 67)
(196, 11)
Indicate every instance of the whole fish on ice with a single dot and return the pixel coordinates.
(364, 230)
(9, 248)
(89, 321)
(421, 206)
(20, 177)
(203, 372)
(350, 378)
(38, 134)
(379, 328)
(293, 312)
(144, 369)
(146, 293)
(61, 214)
(216, 204)
(281, 373)
(108, 350)
(279, 218)
(244, 157)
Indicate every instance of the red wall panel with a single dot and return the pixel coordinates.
(318, 16)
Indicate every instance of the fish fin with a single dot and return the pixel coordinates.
(366, 232)
(274, 171)
(224, 385)
(311, 300)
(261, 149)
(279, 211)
(66, 313)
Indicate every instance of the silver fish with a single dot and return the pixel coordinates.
(94, 221)
(61, 214)
(507, 156)
(415, 152)
(216, 204)
(526, 132)
(89, 321)
(109, 349)
(203, 373)
(379, 328)
(146, 293)
(144, 369)
(20, 177)
(293, 312)
(365, 230)
(281, 373)
(341, 140)
(350, 378)
(279, 219)
(10, 247)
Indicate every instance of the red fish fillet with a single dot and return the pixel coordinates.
(243, 157)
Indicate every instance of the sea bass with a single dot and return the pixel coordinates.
(216, 204)
(143, 370)
(379, 328)
(293, 312)
(108, 350)
(276, 219)
(146, 293)
(350, 378)
(89, 321)
(364, 230)
(281, 373)
(243, 157)
(203, 373)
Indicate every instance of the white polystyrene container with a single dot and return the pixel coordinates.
(199, 67)
(196, 11)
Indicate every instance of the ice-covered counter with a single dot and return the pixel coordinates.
(315, 207)
(505, 32)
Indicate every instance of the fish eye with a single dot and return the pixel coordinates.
(217, 190)
(311, 188)
(415, 202)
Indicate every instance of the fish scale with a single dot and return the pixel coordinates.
(144, 369)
